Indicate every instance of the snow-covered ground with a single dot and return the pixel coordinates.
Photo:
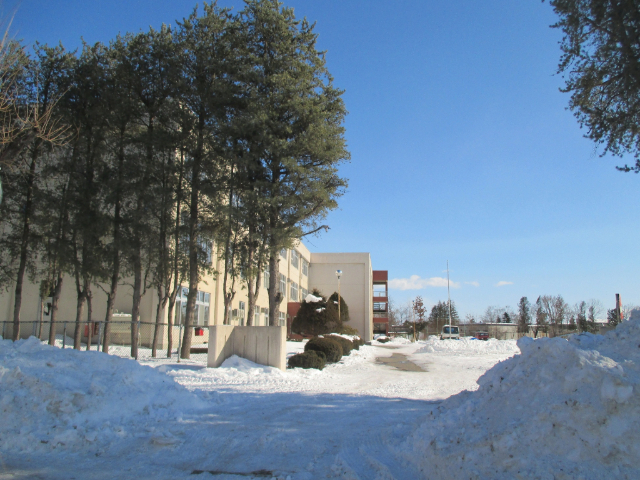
(561, 409)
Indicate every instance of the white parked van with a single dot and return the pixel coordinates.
(449, 331)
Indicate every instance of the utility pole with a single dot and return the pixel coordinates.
(449, 298)
(339, 274)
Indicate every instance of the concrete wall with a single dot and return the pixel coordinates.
(356, 285)
(263, 345)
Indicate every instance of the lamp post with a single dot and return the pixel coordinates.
(339, 274)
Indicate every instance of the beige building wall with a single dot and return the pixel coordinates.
(356, 285)
(356, 288)
(293, 275)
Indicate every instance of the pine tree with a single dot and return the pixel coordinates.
(344, 308)
(612, 317)
(207, 93)
(581, 316)
(316, 318)
(600, 57)
(524, 315)
(297, 128)
(86, 110)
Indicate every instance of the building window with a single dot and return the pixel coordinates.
(283, 253)
(282, 317)
(266, 279)
(305, 267)
(206, 249)
(265, 315)
(303, 292)
(256, 316)
(295, 256)
(294, 292)
(202, 309)
(283, 284)
(241, 312)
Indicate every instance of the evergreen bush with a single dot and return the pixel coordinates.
(328, 346)
(308, 359)
(346, 344)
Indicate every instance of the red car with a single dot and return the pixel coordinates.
(482, 335)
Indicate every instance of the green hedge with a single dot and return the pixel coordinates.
(347, 345)
(331, 348)
(309, 359)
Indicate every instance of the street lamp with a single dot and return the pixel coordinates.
(339, 274)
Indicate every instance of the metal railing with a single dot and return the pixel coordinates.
(121, 341)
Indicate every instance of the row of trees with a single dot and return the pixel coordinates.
(219, 138)
(549, 314)
(416, 318)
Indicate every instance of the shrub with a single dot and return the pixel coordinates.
(346, 344)
(347, 330)
(344, 309)
(383, 339)
(309, 359)
(331, 348)
(357, 343)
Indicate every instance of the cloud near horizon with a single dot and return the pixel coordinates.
(415, 282)
(503, 283)
(474, 283)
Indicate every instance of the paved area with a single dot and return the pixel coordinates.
(400, 362)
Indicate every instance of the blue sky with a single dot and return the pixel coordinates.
(462, 147)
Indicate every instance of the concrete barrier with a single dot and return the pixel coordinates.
(263, 345)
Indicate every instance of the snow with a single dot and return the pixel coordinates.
(546, 408)
(465, 346)
(567, 409)
(312, 299)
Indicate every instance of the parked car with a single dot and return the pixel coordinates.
(482, 335)
(450, 332)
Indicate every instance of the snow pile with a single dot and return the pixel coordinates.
(312, 299)
(467, 347)
(53, 398)
(343, 335)
(561, 409)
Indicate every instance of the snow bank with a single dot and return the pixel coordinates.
(466, 346)
(561, 409)
(53, 398)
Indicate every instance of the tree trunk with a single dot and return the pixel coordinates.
(115, 273)
(253, 289)
(194, 276)
(24, 245)
(137, 297)
(55, 298)
(176, 259)
(89, 319)
(40, 317)
(79, 313)
(172, 303)
(275, 297)
(162, 302)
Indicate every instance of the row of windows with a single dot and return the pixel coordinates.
(201, 312)
(282, 287)
(296, 259)
(260, 316)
